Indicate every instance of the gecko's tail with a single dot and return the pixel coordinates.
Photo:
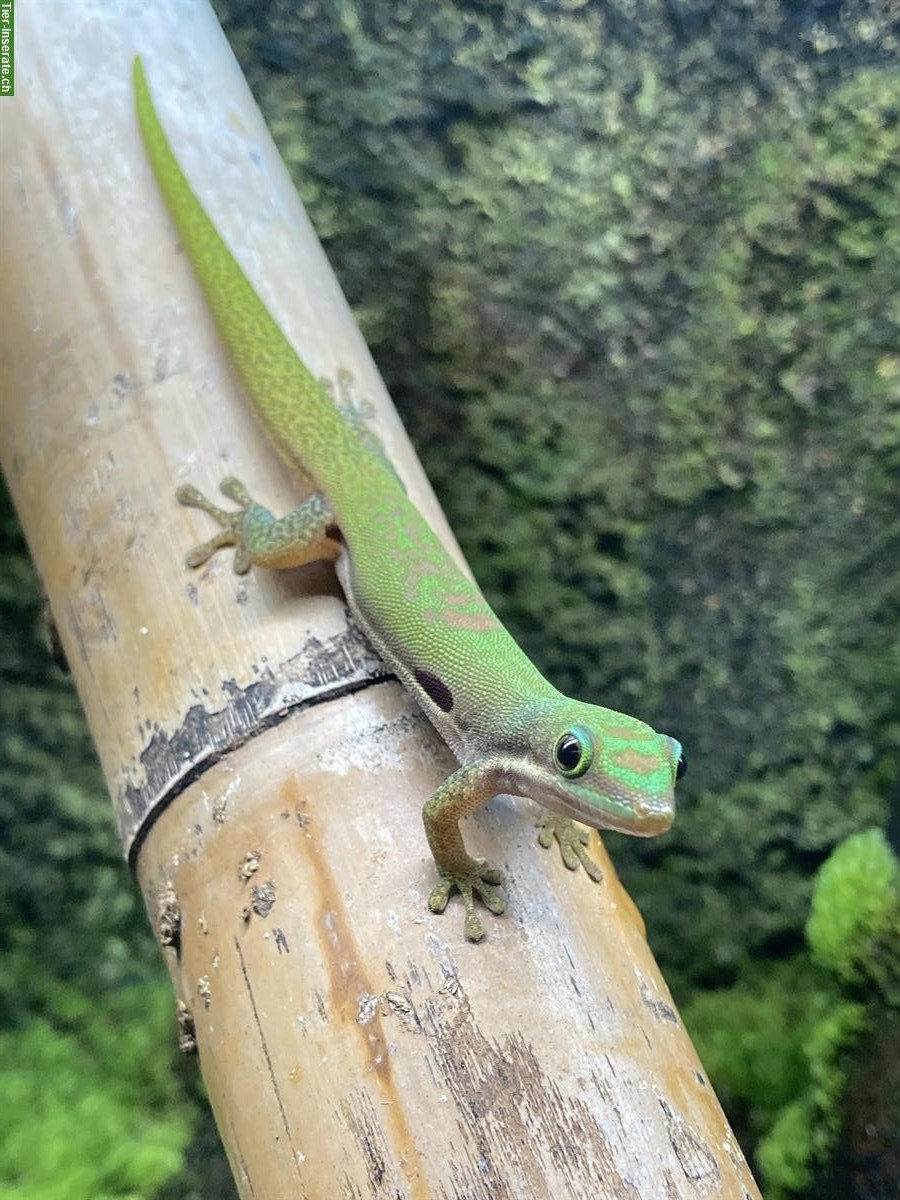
(286, 395)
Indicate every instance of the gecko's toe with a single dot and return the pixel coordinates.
(232, 487)
(439, 897)
(573, 841)
(472, 927)
(204, 552)
(483, 882)
(491, 875)
(242, 561)
(190, 496)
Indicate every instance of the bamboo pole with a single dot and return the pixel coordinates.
(266, 776)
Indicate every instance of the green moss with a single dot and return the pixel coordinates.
(784, 1045)
(786, 1156)
(780, 1047)
(751, 1038)
(804, 1135)
(92, 1106)
(855, 917)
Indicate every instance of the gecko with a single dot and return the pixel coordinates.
(511, 730)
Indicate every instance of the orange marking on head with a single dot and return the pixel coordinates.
(633, 760)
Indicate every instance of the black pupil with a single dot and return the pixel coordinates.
(681, 769)
(568, 752)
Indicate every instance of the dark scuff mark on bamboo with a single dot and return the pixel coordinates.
(168, 917)
(362, 1121)
(503, 1098)
(660, 1009)
(696, 1161)
(265, 1050)
(187, 1031)
(263, 900)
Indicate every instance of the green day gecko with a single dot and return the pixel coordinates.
(510, 729)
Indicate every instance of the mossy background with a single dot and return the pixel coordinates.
(631, 273)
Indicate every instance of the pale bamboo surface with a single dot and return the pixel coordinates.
(116, 390)
(352, 1043)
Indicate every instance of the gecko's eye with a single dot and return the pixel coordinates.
(679, 758)
(573, 753)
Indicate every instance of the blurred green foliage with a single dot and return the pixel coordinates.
(854, 925)
(804, 1132)
(630, 271)
(781, 1043)
(93, 1108)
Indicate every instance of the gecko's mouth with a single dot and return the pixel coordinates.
(639, 818)
(646, 821)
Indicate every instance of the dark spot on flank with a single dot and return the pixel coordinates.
(436, 689)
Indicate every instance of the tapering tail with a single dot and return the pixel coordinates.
(289, 400)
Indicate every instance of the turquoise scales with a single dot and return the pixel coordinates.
(512, 731)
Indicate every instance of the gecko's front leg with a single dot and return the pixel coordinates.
(465, 791)
(306, 534)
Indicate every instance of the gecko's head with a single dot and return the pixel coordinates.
(607, 769)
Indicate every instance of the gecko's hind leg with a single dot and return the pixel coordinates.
(359, 414)
(306, 534)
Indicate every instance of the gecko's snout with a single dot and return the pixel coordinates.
(653, 817)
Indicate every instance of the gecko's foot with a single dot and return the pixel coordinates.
(231, 533)
(573, 840)
(481, 880)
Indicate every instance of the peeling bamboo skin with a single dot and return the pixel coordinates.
(353, 1044)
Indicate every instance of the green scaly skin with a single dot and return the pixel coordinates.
(511, 730)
